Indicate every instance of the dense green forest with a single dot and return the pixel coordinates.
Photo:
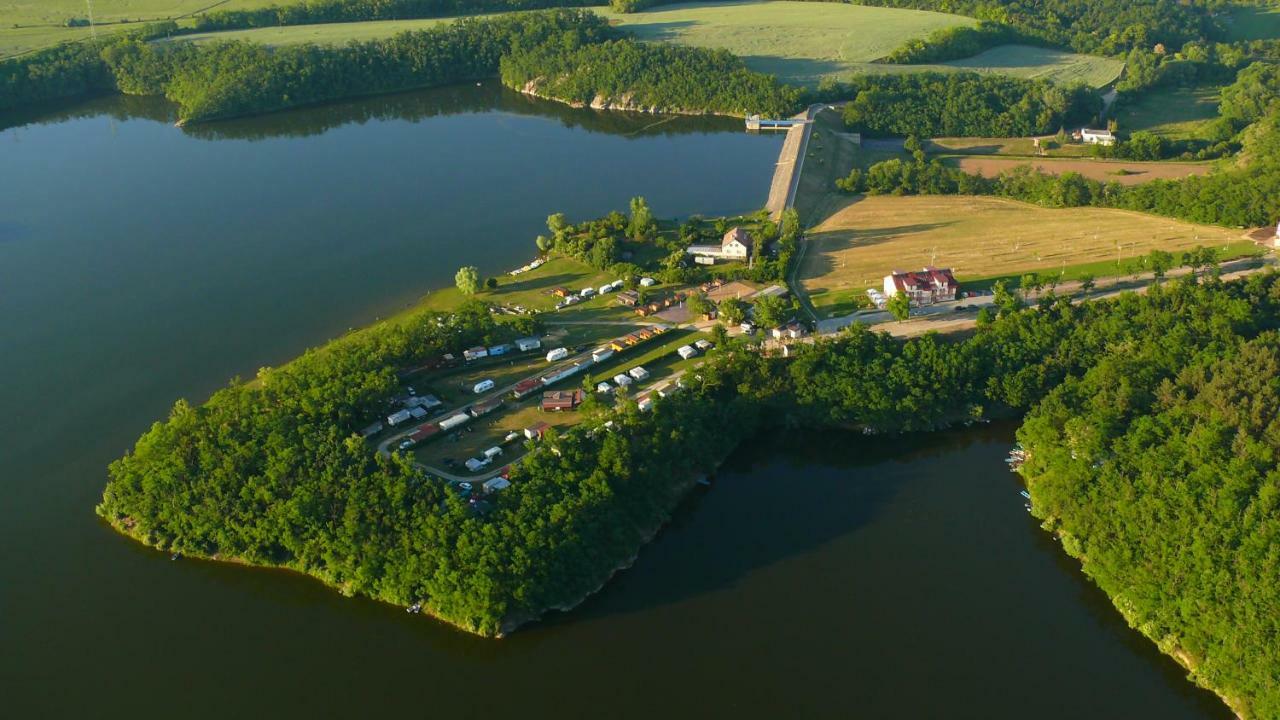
(648, 76)
(954, 43)
(1158, 467)
(960, 104)
(226, 79)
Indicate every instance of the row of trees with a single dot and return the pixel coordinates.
(652, 77)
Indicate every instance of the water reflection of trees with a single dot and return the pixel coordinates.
(411, 106)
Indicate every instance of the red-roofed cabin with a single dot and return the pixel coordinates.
(559, 400)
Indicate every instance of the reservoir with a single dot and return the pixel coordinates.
(819, 576)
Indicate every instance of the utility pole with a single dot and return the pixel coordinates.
(93, 31)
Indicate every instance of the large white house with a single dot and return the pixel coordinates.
(926, 287)
(1097, 137)
(736, 245)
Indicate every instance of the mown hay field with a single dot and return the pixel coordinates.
(981, 238)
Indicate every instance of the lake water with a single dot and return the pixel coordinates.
(819, 577)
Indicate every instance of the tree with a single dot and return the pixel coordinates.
(491, 283)
(1006, 302)
(557, 224)
(790, 231)
(1086, 284)
(1026, 283)
(544, 244)
(1160, 261)
(986, 316)
(641, 224)
(772, 311)
(733, 311)
(719, 334)
(899, 306)
(698, 304)
(467, 279)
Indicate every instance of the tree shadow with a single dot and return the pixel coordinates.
(778, 496)
(546, 283)
(795, 71)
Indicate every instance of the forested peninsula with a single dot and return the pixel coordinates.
(270, 472)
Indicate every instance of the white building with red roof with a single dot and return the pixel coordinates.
(926, 287)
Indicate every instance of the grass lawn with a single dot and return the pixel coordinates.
(980, 238)
(658, 357)
(32, 24)
(1248, 22)
(1175, 113)
(832, 154)
(326, 34)
(489, 432)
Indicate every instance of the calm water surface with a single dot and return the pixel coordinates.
(820, 577)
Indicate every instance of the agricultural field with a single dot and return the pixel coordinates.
(1174, 113)
(1253, 22)
(803, 43)
(323, 34)
(982, 238)
(1014, 147)
(1125, 172)
(1029, 62)
(27, 25)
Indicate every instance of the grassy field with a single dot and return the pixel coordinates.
(1246, 22)
(803, 43)
(1015, 147)
(980, 238)
(1175, 113)
(27, 25)
(1025, 61)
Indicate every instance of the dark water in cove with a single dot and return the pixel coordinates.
(820, 577)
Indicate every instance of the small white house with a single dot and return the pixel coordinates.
(557, 354)
(621, 380)
(639, 373)
(527, 344)
(686, 351)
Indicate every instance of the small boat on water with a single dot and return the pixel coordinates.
(1025, 494)
(415, 608)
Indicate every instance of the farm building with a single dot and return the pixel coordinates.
(558, 400)
(536, 430)
(527, 344)
(486, 407)
(735, 245)
(930, 285)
